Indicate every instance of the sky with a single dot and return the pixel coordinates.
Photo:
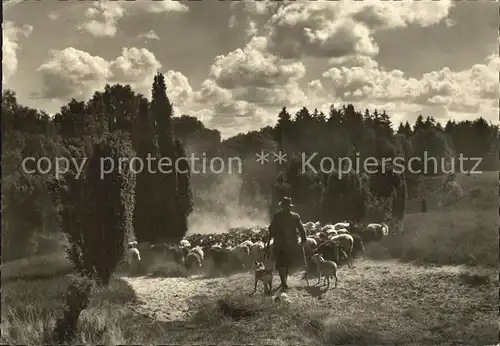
(235, 64)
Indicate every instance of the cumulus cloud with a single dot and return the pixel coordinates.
(336, 29)
(463, 91)
(178, 88)
(165, 6)
(147, 36)
(241, 10)
(211, 93)
(135, 67)
(74, 73)
(253, 66)
(255, 76)
(102, 18)
(11, 35)
(251, 84)
(315, 87)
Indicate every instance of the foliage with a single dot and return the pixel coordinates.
(112, 205)
(96, 209)
(165, 198)
(27, 211)
(343, 198)
(146, 146)
(77, 299)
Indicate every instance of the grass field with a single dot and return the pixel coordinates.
(436, 283)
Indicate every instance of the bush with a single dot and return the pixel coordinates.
(77, 299)
(97, 213)
(111, 220)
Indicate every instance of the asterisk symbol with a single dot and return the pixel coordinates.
(262, 157)
(280, 157)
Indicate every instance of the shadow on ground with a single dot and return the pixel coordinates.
(315, 291)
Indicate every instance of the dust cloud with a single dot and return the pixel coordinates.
(219, 207)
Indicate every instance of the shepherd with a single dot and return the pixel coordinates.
(283, 230)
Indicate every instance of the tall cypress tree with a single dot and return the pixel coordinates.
(145, 144)
(170, 217)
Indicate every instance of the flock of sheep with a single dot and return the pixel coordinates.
(238, 249)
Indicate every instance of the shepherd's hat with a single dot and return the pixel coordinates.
(286, 202)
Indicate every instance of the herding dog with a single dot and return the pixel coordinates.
(265, 275)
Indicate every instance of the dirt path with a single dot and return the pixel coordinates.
(175, 299)
(169, 299)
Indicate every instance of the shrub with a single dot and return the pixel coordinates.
(77, 299)
(97, 213)
(110, 222)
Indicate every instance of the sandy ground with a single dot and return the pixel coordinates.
(174, 299)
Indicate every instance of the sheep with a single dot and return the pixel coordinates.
(198, 250)
(257, 250)
(168, 252)
(241, 253)
(143, 247)
(310, 245)
(132, 257)
(186, 243)
(316, 236)
(331, 231)
(346, 243)
(379, 226)
(372, 232)
(218, 259)
(320, 236)
(327, 227)
(330, 250)
(132, 254)
(247, 243)
(341, 225)
(194, 259)
(309, 226)
(342, 231)
(326, 268)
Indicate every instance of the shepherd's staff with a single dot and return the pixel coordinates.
(305, 264)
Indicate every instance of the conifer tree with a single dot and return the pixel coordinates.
(145, 146)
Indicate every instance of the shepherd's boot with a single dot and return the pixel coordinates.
(283, 276)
